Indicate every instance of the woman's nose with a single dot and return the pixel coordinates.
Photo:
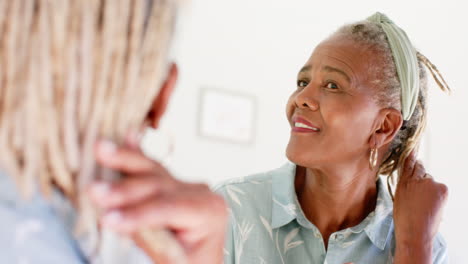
(306, 100)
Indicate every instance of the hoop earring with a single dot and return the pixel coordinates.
(373, 158)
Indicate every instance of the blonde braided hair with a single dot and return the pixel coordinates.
(72, 72)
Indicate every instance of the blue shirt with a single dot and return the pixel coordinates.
(42, 231)
(268, 226)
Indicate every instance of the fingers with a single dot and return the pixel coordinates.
(443, 191)
(419, 171)
(122, 159)
(168, 211)
(128, 190)
(413, 169)
(408, 167)
(427, 176)
(143, 177)
(153, 213)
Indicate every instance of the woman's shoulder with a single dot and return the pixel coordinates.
(237, 190)
(32, 229)
(253, 181)
(251, 193)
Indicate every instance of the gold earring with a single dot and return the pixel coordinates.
(373, 158)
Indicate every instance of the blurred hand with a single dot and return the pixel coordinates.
(149, 197)
(417, 209)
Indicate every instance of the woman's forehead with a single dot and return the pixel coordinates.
(343, 54)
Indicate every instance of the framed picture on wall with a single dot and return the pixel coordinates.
(226, 115)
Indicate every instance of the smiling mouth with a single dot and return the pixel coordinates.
(304, 126)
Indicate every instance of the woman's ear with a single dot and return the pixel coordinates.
(162, 99)
(386, 128)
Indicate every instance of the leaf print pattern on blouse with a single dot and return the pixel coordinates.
(267, 226)
(347, 244)
(259, 201)
(244, 230)
(288, 243)
(278, 248)
(290, 208)
(255, 182)
(262, 261)
(232, 191)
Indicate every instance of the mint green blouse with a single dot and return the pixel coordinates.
(267, 225)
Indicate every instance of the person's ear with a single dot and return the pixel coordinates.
(162, 99)
(387, 126)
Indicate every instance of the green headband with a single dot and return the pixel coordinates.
(406, 62)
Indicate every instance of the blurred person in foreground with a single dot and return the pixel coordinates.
(80, 80)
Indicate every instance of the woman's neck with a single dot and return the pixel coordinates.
(335, 201)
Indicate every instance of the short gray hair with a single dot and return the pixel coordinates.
(388, 90)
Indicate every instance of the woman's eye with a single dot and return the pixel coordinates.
(331, 85)
(301, 84)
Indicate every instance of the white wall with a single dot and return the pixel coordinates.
(257, 47)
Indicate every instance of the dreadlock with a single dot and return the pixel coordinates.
(71, 72)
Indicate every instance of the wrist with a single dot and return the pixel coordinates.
(413, 251)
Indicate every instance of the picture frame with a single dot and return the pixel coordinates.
(227, 116)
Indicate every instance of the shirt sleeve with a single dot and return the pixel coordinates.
(31, 232)
(440, 251)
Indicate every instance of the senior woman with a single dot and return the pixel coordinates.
(329, 205)
(357, 114)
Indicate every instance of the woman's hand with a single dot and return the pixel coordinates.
(149, 197)
(418, 205)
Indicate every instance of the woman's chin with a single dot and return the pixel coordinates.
(299, 156)
(309, 155)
